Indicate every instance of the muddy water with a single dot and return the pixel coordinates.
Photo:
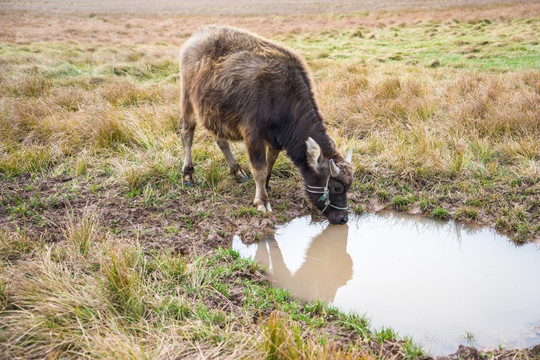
(443, 283)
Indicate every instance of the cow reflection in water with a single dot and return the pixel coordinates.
(326, 268)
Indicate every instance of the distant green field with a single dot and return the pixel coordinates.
(481, 45)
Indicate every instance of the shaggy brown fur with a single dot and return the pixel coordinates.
(240, 86)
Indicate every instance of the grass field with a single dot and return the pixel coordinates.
(105, 254)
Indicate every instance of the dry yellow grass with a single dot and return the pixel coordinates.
(418, 125)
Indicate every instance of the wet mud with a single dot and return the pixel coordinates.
(185, 219)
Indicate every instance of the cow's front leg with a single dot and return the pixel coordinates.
(257, 158)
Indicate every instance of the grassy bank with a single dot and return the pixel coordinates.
(95, 295)
(100, 239)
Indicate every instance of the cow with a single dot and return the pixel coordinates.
(240, 86)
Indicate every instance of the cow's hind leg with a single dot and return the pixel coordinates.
(234, 167)
(257, 157)
(187, 130)
(271, 158)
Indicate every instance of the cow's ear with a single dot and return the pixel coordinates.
(313, 152)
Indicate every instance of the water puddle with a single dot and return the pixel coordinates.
(443, 283)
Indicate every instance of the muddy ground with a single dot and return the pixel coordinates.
(188, 219)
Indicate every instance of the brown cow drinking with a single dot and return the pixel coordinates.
(240, 86)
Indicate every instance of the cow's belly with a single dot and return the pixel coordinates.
(222, 128)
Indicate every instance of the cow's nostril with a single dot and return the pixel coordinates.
(344, 220)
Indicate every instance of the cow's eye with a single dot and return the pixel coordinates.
(337, 188)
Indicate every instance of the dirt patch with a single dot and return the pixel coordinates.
(198, 219)
(189, 221)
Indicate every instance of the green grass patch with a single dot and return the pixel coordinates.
(440, 213)
(493, 47)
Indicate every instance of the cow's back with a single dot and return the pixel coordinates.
(237, 81)
(214, 42)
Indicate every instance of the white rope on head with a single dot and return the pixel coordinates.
(325, 195)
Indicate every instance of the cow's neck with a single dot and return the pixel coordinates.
(296, 148)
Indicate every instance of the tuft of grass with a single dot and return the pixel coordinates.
(276, 343)
(31, 159)
(383, 195)
(149, 195)
(424, 202)
(120, 94)
(356, 323)
(172, 267)
(123, 270)
(470, 338)
(3, 293)
(29, 84)
(244, 211)
(440, 213)
(412, 350)
(81, 165)
(467, 212)
(401, 202)
(285, 340)
(17, 246)
(458, 162)
(388, 88)
(385, 334)
(214, 173)
(82, 233)
(142, 170)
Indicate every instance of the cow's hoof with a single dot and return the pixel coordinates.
(264, 208)
(191, 183)
(240, 175)
(188, 179)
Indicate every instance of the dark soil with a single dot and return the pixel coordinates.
(186, 220)
(200, 219)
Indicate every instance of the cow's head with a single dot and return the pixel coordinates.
(328, 182)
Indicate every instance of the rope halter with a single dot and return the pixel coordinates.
(325, 195)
